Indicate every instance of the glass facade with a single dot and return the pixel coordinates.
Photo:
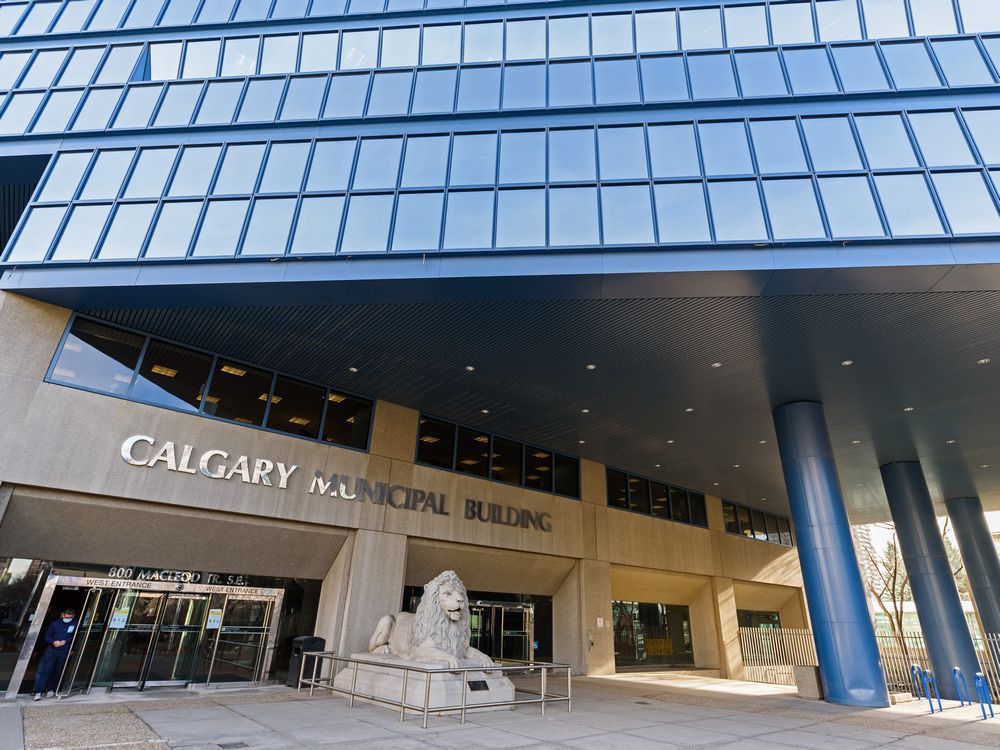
(650, 635)
(650, 497)
(755, 524)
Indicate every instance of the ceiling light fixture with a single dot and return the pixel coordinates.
(984, 466)
(167, 372)
(485, 411)
(908, 408)
(656, 466)
(736, 466)
(716, 365)
(585, 411)
(352, 369)
(581, 442)
(336, 398)
(470, 368)
(715, 484)
(983, 361)
(231, 370)
(591, 367)
(670, 442)
(952, 441)
(761, 442)
(689, 409)
(855, 442)
(847, 363)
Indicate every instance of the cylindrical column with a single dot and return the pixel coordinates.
(946, 633)
(979, 554)
(849, 663)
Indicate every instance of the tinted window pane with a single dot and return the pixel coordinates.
(261, 101)
(109, 14)
(961, 62)
(979, 15)
(367, 227)
(711, 76)
(573, 217)
(622, 153)
(359, 49)
(144, 13)
(36, 235)
(79, 238)
(701, 28)
(348, 420)
(538, 469)
(174, 228)
(612, 34)
(201, 59)
(138, 107)
(75, 13)
(746, 525)
(319, 52)
(791, 23)
(736, 211)
(240, 168)
(435, 91)
(418, 222)
(616, 81)
(885, 18)
(179, 12)
(331, 165)
(96, 110)
(318, 226)
(524, 86)
(483, 42)
(985, 127)
(680, 212)
(777, 145)
(286, 164)
(638, 492)
(436, 443)
(81, 66)
(522, 157)
(236, 393)
(128, 230)
(65, 176)
(525, 40)
(221, 228)
(656, 31)
(724, 148)
(507, 460)
(772, 529)
(119, 64)
(663, 79)
(729, 518)
(838, 19)
(809, 71)
(850, 207)
(910, 65)
(473, 453)
(759, 526)
(57, 112)
(470, 220)
(303, 99)
(219, 103)
(907, 204)
(37, 19)
(699, 515)
(941, 139)
(672, 151)
(967, 202)
(150, 174)
(760, 73)
(660, 500)
(933, 17)
(886, 142)
(43, 69)
(785, 531)
(791, 204)
(442, 44)
(859, 68)
(178, 104)
(473, 159)
(378, 163)
(97, 356)
(425, 162)
(746, 26)
(627, 214)
(570, 84)
(572, 155)
(296, 408)
(521, 218)
(217, 11)
(106, 176)
(270, 226)
(569, 37)
(567, 476)
(21, 108)
(479, 89)
(679, 509)
(831, 143)
(11, 65)
(347, 96)
(172, 376)
(390, 93)
(617, 483)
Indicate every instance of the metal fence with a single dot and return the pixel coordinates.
(769, 654)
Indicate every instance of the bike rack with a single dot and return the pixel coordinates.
(983, 693)
(928, 682)
(961, 687)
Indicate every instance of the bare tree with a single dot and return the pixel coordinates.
(887, 581)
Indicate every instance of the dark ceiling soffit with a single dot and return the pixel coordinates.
(859, 269)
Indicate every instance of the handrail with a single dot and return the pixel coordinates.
(321, 658)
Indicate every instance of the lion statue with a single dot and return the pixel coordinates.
(438, 632)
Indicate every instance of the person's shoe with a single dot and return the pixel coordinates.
(38, 697)
(51, 694)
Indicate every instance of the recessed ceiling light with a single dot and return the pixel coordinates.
(469, 368)
(951, 442)
(715, 484)
(984, 466)
(591, 367)
(847, 363)
(983, 361)
(855, 442)
(585, 411)
(352, 369)
(485, 411)
(908, 408)
(716, 365)
(860, 485)
(689, 409)
(736, 466)
(656, 466)
(763, 499)
(233, 370)
(581, 442)
(761, 442)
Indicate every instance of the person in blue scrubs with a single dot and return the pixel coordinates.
(59, 636)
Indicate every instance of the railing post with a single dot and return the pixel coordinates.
(354, 684)
(427, 695)
(312, 683)
(465, 692)
(402, 701)
(569, 689)
(545, 675)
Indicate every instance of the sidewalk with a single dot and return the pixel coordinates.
(624, 712)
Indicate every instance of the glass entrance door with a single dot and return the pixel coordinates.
(129, 639)
(175, 650)
(241, 651)
(86, 646)
(503, 630)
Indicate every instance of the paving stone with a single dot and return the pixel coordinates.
(76, 730)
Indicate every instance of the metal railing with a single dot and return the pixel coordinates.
(325, 668)
(770, 654)
(899, 652)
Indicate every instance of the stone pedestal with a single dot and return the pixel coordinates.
(808, 682)
(382, 680)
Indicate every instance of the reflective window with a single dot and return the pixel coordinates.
(570, 84)
(96, 109)
(933, 17)
(9, 15)
(331, 165)
(97, 357)
(217, 11)
(261, 101)
(347, 96)
(656, 31)
(979, 15)
(36, 234)
(106, 176)
(886, 142)
(221, 228)
(109, 14)
(179, 13)
(390, 93)
(150, 173)
(672, 151)
(473, 159)
(792, 206)
(318, 225)
(479, 89)
(525, 40)
(638, 494)
(910, 65)
(236, 392)
(838, 20)
(80, 69)
(359, 49)
(319, 52)
(469, 223)
(885, 18)
(11, 65)
(680, 212)
(760, 73)
(612, 34)
(178, 104)
(483, 42)
(712, 76)
(569, 37)
(367, 227)
(521, 218)
(724, 148)
(38, 18)
(127, 232)
(573, 217)
(400, 47)
(79, 238)
(436, 443)
(18, 112)
(172, 376)
(296, 408)
(219, 103)
(679, 508)
(137, 107)
(984, 125)
(967, 202)
(64, 176)
(378, 163)
(303, 99)
(809, 71)
(663, 79)
(442, 44)
(196, 168)
(119, 64)
(522, 157)
(941, 139)
(239, 57)
(961, 62)
(59, 107)
(908, 205)
(746, 25)
(523, 86)
(792, 23)
(426, 161)
(269, 227)
(472, 454)
(622, 153)
(777, 145)
(572, 155)
(279, 53)
(616, 81)
(174, 229)
(143, 14)
(74, 15)
(701, 28)
(617, 488)
(240, 167)
(252, 10)
(201, 59)
(537, 469)
(627, 215)
(43, 69)
(286, 163)
(736, 211)
(831, 143)
(418, 222)
(434, 91)
(859, 68)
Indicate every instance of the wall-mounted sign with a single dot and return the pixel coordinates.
(214, 619)
(129, 573)
(146, 452)
(119, 618)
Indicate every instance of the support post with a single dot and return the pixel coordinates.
(979, 554)
(849, 664)
(946, 633)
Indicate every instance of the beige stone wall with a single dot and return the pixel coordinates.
(60, 452)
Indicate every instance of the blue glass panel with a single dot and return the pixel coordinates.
(195, 170)
(777, 145)
(79, 70)
(724, 148)
(252, 10)
(165, 60)
(809, 71)
(479, 89)
(261, 101)
(672, 151)
(367, 227)
(219, 103)
(43, 69)
(469, 221)
(850, 207)
(483, 42)
(18, 113)
(286, 165)
(760, 73)
(109, 15)
(119, 64)
(127, 232)
(837, 20)
(74, 15)
(736, 211)
(569, 37)
(201, 59)
(331, 165)
(9, 16)
(992, 45)
(96, 109)
(319, 52)
(36, 235)
(347, 96)
(240, 167)
(359, 49)
(984, 124)
(137, 107)
(57, 111)
(270, 226)
(304, 98)
(216, 11)
(107, 175)
(933, 17)
(885, 18)
(174, 229)
(38, 18)
(979, 15)
(746, 25)
(885, 141)
(442, 45)
(278, 54)
(179, 13)
(656, 31)
(859, 68)
(961, 61)
(612, 34)
(150, 174)
(570, 84)
(79, 238)
(378, 163)
(572, 155)
(221, 228)
(701, 28)
(831, 143)
(364, 7)
(521, 218)
(426, 161)
(616, 81)
(663, 79)
(910, 65)
(573, 217)
(680, 212)
(792, 206)
(908, 205)
(941, 139)
(418, 222)
(525, 40)
(522, 157)
(64, 178)
(524, 86)
(967, 202)
(473, 159)
(178, 104)
(327, 8)
(622, 153)
(712, 76)
(792, 23)
(11, 65)
(435, 91)
(627, 215)
(400, 47)
(390, 93)
(318, 226)
(143, 14)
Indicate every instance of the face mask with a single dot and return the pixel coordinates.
(67, 619)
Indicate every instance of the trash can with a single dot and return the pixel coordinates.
(301, 645)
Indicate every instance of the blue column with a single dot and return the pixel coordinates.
(979, 554)
(946, 633)
(849, 663)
